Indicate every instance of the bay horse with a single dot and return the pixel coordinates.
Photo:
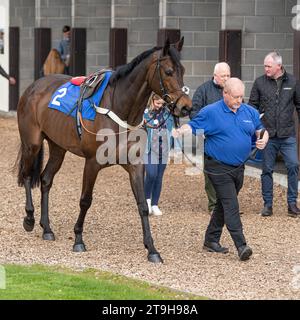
(157, 69)
(53, 63)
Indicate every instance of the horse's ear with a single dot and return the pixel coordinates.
(166, 47)
(179, 44)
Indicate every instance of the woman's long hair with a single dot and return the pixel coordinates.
(153, 96)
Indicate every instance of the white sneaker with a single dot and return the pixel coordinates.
(156, 211)
(149, 205)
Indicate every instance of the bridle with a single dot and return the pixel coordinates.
(165, 95)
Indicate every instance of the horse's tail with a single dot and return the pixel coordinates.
(53, 63)
(34, 172)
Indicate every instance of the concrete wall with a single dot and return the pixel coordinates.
(141, 18)
(54, 14)
(199, 22)
(22, 15)
(96, 18)
(27, 15)
(266, 26)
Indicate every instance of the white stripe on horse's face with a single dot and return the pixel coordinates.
(186, 90)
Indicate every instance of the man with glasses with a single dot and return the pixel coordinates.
(210, 92)
(228, 126)
(276, 95)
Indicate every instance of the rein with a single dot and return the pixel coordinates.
(144, 124)
(140, 126)
(251, 156)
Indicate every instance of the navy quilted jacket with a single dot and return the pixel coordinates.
(206, 94)
(277, 104)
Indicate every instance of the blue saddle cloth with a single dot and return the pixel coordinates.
(66, 96)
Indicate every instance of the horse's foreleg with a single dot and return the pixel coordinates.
(56, 158)
(136, 174)
(90, 173)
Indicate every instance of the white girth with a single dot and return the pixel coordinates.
(116, 119)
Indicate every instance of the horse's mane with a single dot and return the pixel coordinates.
(124, 70)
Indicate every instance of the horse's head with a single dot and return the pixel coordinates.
(165, 77)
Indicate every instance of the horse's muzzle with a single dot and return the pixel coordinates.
(185, 111)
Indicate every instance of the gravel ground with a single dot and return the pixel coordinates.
(113, 234)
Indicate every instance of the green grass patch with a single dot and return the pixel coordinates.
(56, 283)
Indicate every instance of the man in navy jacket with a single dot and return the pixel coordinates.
(210, 92)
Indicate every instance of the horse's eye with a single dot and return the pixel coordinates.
(169, 72)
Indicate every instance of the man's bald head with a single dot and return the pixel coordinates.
(221, 73)
(221, 67)
(234, 84)
(233, 93)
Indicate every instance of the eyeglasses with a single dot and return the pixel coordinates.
(236, 97)
(223, 76)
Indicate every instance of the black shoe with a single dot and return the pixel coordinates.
(244, 252)
(214, 247)
(293, 210)
(267, 211)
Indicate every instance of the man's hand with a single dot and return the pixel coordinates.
(261, 143)
(12, 80)
(184, 129)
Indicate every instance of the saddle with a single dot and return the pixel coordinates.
(89, 85)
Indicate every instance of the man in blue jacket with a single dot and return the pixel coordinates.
(228, 126)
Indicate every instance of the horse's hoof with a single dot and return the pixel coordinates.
(49, 236)
(155, 258)
(80, 247)
(28, 224)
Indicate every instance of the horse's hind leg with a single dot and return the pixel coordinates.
(56, 158)
(90, 173)
(30, 164)
(136, 174)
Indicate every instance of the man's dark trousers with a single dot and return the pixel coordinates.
(227, 181)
